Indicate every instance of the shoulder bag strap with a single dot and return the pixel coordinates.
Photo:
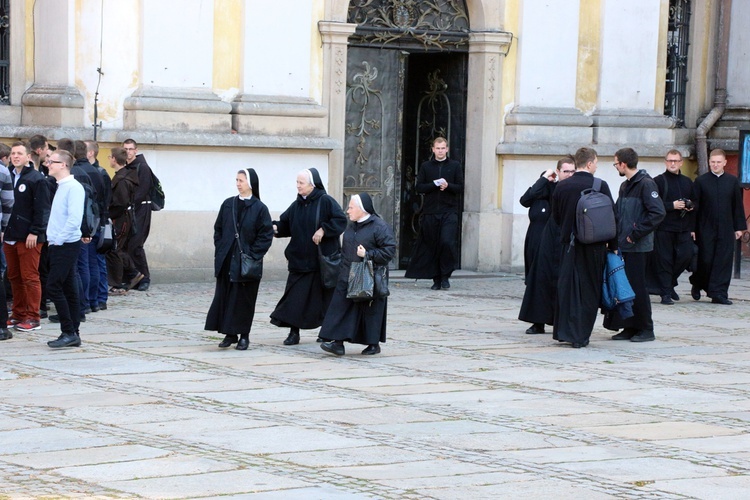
(236, 229)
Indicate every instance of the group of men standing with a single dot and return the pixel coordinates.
(659, 223)
(48, 255)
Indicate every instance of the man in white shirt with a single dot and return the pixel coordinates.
(64, 237)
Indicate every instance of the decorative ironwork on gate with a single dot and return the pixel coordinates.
(5, 52)
(434, 24)
(677, 60)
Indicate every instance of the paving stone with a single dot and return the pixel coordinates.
(173, 465)
(402, 470)
(363, 455)
(662, 430)
(726, 488)
(50, 439)
(99, 455)
(633, 470)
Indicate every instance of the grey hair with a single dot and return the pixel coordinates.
(308, 175)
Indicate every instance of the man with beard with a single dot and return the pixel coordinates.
(538, 306)
(673, 243)
(441, 180)
(639, 211)
(579, 286)
(720, 221)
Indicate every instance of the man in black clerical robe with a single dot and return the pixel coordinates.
(720, 221)
(538, 304)
(579, 286)
(441, 180)
(673, 243)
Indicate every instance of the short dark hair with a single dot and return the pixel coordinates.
(718, 152)
(20, 143)
(673, 152)
(67, 145)
(628, 156)
(583, 156)
(120, 156)
(66, 157)
(4, 150)
(80, 150)
(130, 141)
(565, 159)
(37, 141)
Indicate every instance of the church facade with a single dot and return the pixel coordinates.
(358, 88)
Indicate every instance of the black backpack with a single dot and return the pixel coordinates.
(595, 216)
(156, 194)
(91, 213)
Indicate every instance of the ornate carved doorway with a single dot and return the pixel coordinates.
(406, 85)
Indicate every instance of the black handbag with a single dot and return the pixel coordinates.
(250, 268)
(329, 264)
(107, 241)
(381, 282)
(361, 285)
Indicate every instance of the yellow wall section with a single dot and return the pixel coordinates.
(511, 25)
(228, 42)
(29, 40)
(661, 59)
(589, 54)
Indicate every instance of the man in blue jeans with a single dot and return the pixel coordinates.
(64, 237)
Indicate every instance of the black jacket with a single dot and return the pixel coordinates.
(31, 206)
(537, 200)
(256, 233)
(639, 213)
(673, 187)
(97, 182)
(140, 165)
(435, 200)
(298, 222)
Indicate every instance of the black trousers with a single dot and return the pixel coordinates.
(635, 270)
(136, 241)
(671, 256)
(62, 284)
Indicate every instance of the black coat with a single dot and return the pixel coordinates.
(565, 199)
(256, 233)
(298, 222)
(360, 322)
(31, 206)
(435, 200)
(673, 187)
(537, 200)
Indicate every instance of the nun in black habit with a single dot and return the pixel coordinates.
(359, 322)
(233, 307)
(314, 220)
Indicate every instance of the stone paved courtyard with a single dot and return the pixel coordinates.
(460, 404)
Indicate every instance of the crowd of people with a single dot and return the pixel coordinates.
(57, 202)
(664, 226)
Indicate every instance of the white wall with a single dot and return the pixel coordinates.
(548, 53)
(277, 47)
(630, 36)
(53, 38)
(201, 180)
(178, 43)
(738, 75)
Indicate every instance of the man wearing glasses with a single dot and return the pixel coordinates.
(142, 212)
(673, 244)
(23, 238)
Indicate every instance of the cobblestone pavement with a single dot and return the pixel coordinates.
(460, 404)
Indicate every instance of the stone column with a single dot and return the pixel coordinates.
(335, 37)
(482, 219)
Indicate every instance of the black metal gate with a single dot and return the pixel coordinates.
(406, 85)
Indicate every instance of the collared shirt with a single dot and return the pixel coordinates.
(66, 214)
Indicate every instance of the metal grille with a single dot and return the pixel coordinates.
(677, 60)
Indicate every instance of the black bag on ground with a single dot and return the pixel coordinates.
(361, 281)
(595, 216)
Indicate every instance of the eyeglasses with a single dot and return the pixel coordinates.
(616, 163)
(52, 162)
(567, 171)
(672, 161)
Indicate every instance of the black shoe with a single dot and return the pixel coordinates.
(625, 334)
(228, 340)
(65, 340)
(643, 336)
(674, 295)
(667, 300)
(242, 344)
(435, 285)
(371, 349)
(42, 313)
(5, 334)
(293, 338)
(54, 318)
(83, 318)
(695, 292)
(102, 306)
(320, 339)
(535, 328)
(445, 285)
(721, 300)
(334, 347)
(143, 286)
(86, 311)
(95, 308)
